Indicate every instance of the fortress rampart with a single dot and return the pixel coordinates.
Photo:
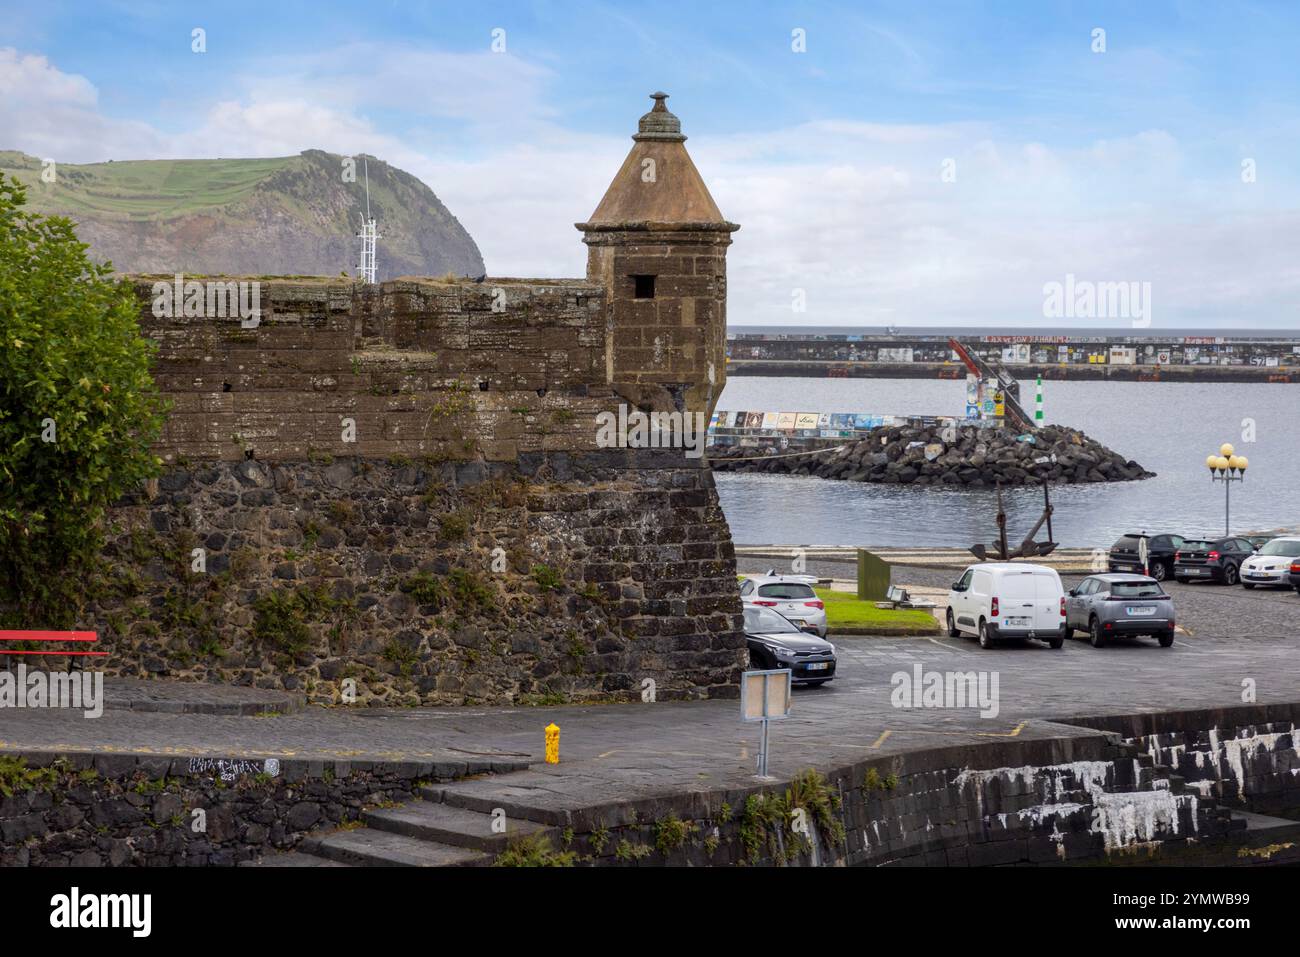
(400, 490)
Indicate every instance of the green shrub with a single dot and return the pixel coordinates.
(79, 411)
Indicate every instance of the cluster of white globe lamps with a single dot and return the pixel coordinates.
(1226, 461)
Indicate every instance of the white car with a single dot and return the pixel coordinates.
(791, 596)
(1008, 600)
(1271, 565)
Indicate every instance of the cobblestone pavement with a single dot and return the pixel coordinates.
(617, 752)
(175, 697)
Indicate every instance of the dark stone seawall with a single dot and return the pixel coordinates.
(1135, 789)
(1142, 789)
(557, 578)
(157, 811)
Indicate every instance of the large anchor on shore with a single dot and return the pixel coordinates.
(999, 552)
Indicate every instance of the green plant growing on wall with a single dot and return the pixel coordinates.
(534, 850)
(599, 839)
(670, 833)
(470, 592)
(403, 656)
(547, 578)
(453, 525)
(872, 781)
(811, 791)
(277, 621)
(16, 777)
(767, 819)
(627, 851)
(425, 589)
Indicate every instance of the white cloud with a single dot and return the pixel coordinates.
(854, 213)
(52, 114)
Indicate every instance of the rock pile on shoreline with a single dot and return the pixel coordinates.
(967, 456)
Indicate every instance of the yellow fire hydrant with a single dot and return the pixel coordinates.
(552, 743)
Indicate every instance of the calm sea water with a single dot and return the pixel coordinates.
(1169, 427)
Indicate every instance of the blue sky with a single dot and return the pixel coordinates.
(1123, 165)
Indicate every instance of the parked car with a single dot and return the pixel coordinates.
(1295, 576)
(791, 595)
(1118, 604)
(1124, 555)
(1271, 565)
(996, 600)
(1216, 559)
(775, 642)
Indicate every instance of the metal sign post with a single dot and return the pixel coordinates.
(765, 697)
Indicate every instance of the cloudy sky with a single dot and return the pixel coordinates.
(914, 164)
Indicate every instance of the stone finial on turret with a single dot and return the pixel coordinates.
(659, 123)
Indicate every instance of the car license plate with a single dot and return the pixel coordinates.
(1196, 571)
(1141, 610)
(819, 666)
(1017, 622)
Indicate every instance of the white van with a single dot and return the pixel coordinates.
(1008, 600)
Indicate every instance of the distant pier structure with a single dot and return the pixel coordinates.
(919, 354)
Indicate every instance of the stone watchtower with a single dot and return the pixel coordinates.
(658, 244)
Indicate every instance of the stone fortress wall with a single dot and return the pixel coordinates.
(400, 488)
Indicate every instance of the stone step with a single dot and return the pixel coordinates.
(368, 847)
(1264, 822)
(501, 796)
(292, 859)
(448, 824)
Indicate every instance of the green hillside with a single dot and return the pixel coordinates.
(290, 214)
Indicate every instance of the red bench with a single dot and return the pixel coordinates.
(50, 636)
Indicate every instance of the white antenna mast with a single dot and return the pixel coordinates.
(367, 235)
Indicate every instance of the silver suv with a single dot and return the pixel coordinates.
(791, 596)
(1117, 604)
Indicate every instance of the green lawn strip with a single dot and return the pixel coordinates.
(846, 615)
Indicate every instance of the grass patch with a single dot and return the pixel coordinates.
(846, 614)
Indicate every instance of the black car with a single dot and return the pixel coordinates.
(775, 643)
(1160, 555)
(1216, 559)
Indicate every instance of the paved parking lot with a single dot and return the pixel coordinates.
(617, 752)
(636, 750)
(1202, 608)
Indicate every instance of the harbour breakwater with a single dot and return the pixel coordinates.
(814, 369)
(947, 455)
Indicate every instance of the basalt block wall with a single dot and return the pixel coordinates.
(398, 489)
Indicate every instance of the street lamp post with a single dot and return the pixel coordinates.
(1227, 467)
